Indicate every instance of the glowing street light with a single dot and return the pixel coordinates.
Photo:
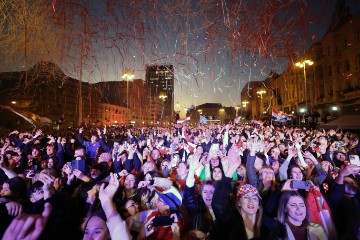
(237, 109)
(127, 76)
(261, 92)
(303, 65)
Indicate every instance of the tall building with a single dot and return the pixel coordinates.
(160, 81)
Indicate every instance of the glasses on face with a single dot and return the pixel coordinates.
(254, 198)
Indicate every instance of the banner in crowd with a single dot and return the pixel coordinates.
(32, 118)
(184, 120)
(237, 120)
(279, 116)
(203, 120)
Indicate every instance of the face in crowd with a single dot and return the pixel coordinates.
(207, 193)
(296, 174)
(296, 210)
(249, 204)
(217, 174)
(96, 229)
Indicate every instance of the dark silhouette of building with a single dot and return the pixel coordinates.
(160, 80)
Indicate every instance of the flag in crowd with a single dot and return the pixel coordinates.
(257, 122)
(237, 120)
(203, 120)
(280, 116)
(184, 120)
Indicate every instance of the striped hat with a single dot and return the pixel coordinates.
(171, 196)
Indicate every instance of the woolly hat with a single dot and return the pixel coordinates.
(170, 196)
(247, 188)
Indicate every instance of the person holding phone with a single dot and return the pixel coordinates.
(164, 223)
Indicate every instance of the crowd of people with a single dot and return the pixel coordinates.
(180, 182)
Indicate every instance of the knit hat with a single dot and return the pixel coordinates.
(247, 188)
(170, 196)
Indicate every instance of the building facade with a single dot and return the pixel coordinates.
(330, 82)
(160, 81)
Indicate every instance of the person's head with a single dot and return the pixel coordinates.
(282, 147)
(15, 188)
(94, 138)
(214, 161)
(275, 152)
(105, 157)
(260, 161)
(207, 192)
(182, 169)
(165, 164)
(294, 172)
(340, 155)
(199, 149)
(50, 149)
(79, 152)
(168, 199)
(147, 167)
(35, 152)
(275, 165)
(248, 203)
(217, 174)
(248, 200)
(95, 227)
(292, 208)
(131, 207)
(51, 163)
(266, 174)
(155, 154)
(130, 181)
(36, 191)
(151, 175)
(322, 140)
(351, 187)
(327, 166)
(99, 171)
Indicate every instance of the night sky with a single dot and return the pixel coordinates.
(216, 46)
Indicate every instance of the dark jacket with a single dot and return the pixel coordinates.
(230, 224)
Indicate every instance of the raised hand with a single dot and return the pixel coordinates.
(27, 226)
(108, 192)
(14, 208)
(194, 162)
(234, 159)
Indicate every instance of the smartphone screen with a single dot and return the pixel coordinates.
(354, 160)
(163, 221)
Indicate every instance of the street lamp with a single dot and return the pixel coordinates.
(303, 65)
(127, 76)
(221, 110)
(237, 109)
(261, 92)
